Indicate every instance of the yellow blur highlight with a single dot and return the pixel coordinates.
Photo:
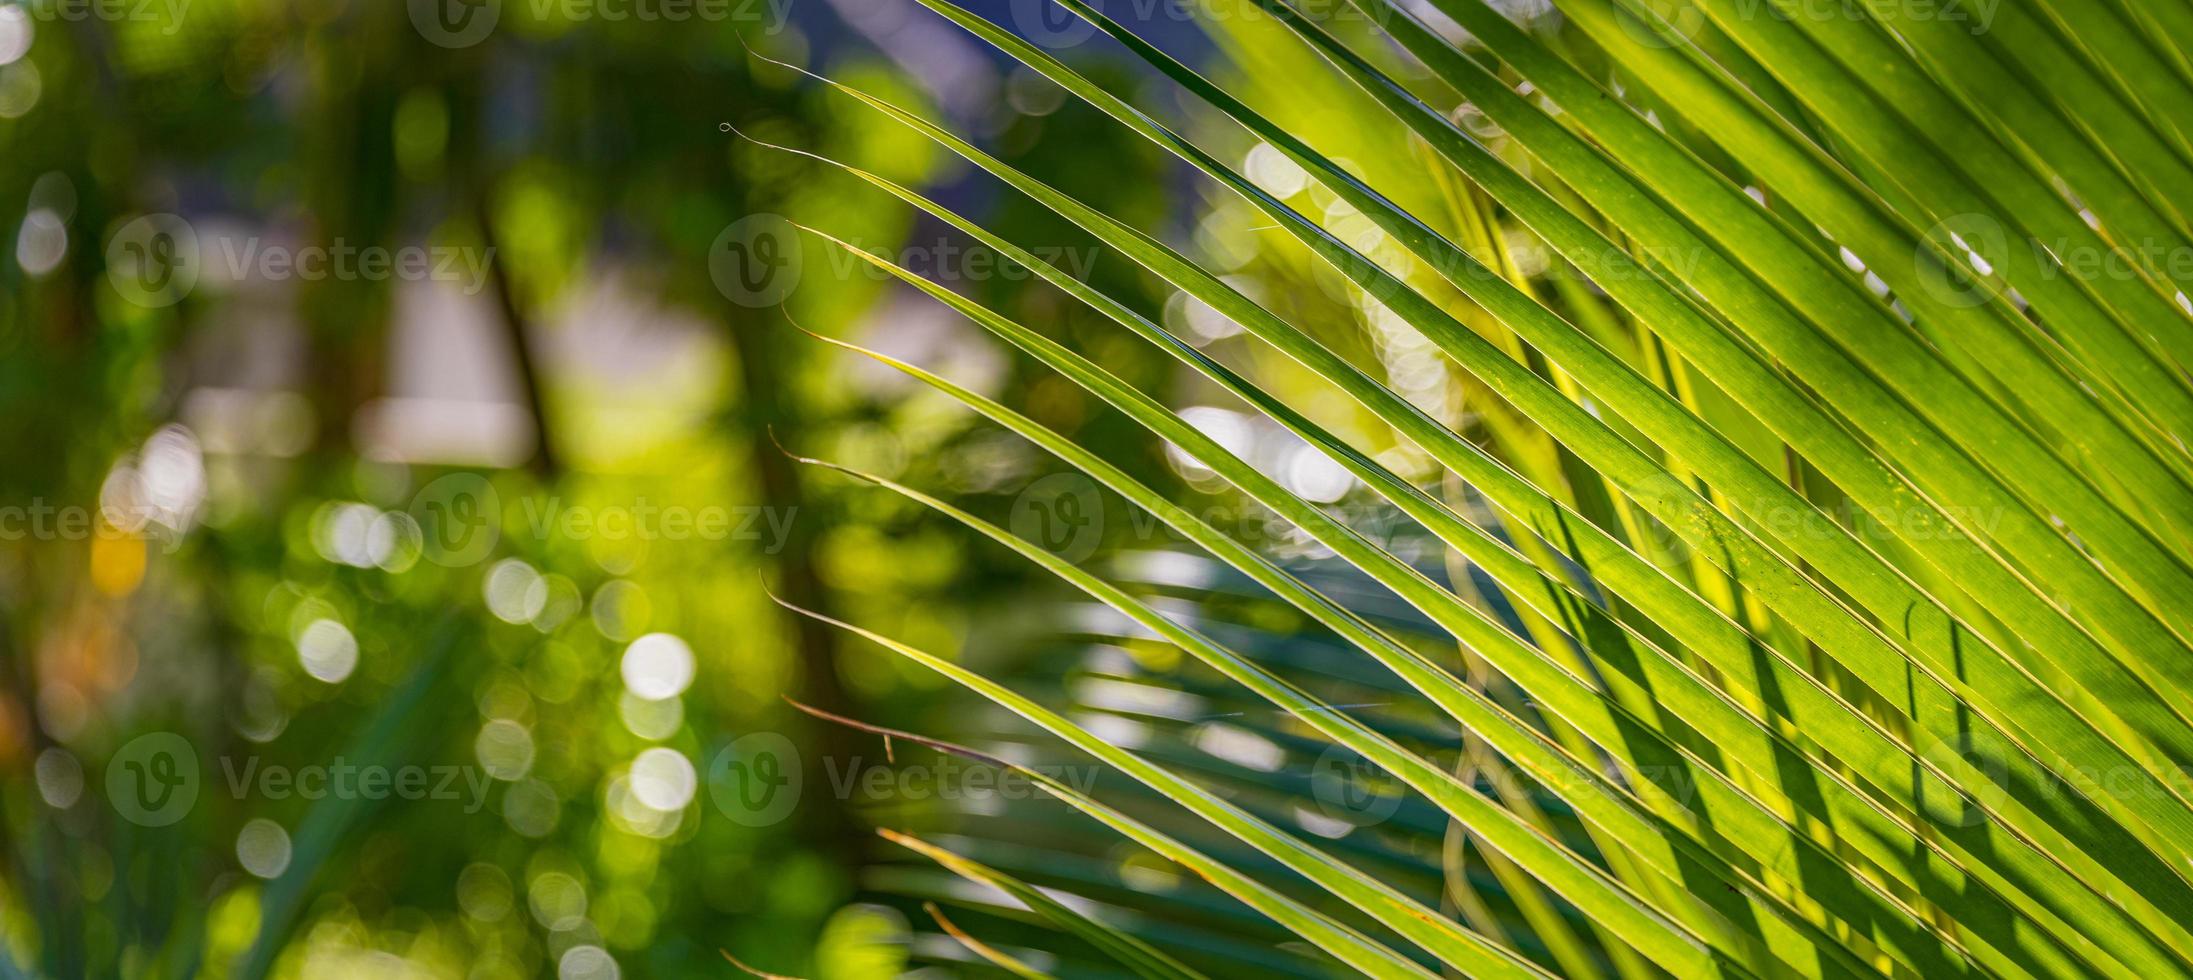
(117, 562)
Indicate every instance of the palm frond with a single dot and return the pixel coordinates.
(1939, 732)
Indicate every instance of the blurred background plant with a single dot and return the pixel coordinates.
(226, 472)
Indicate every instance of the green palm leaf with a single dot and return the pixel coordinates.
(1770, 740)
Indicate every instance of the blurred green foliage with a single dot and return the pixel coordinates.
(291, 609)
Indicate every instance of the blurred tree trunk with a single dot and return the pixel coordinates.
(350, 191)
(517, 331)
(771, 412)
(474, 186)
